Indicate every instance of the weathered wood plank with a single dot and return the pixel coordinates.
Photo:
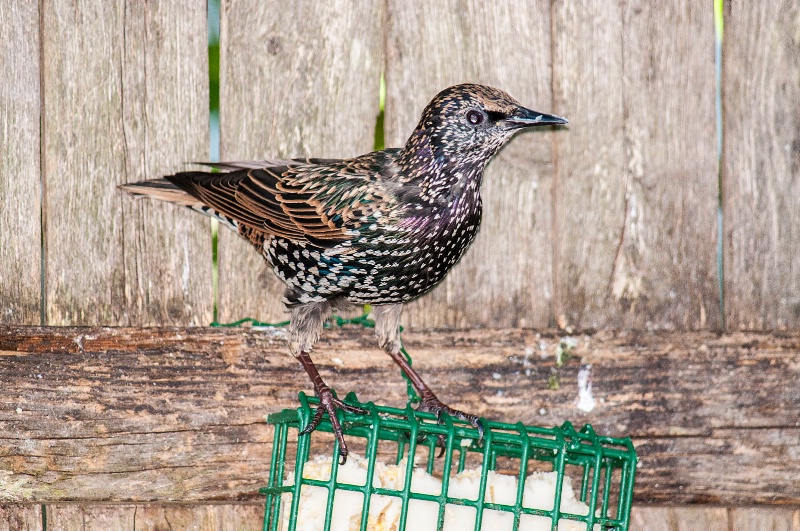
(741, 460)
(762, 519)
(665, 271)
(249, 516)
(588, 84)
(297, 79)
(20, 518)
(107, 517)
(682, 519)
(201, 518)
(166, 116)
(171, 414)
(505, 279)
(636, 192)
(761, 154)
(193, 420)
(20, 192)
(125, 98)
(239, 517)
(242, 517)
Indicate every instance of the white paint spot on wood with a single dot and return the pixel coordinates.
(585, 401)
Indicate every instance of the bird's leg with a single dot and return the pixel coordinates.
(304, 332)
(387, 328)
(428, 400)
(327, 404)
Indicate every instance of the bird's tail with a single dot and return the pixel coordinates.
(162, 189)
(166, 191)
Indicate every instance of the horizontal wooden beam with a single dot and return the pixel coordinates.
(177, 414)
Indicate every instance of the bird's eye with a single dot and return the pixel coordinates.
(474, 117)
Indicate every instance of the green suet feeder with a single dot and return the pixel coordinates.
(601, 469)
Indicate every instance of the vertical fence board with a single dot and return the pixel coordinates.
(20, 196)
(713, 519)
(200, 517)
(761, 154)
(125, 98)
(681, 519)
(761, 519)
(590, 159)
(166, 115)
(505, 278)
(91, 517)
(20, 518)
(667, 266)
(650, 519)
(637, 173)
(238, 517)
(234, 517)
(297, 80)
(81, 147)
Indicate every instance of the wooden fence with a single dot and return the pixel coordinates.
(610, 224)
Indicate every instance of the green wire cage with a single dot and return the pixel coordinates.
(602, 469)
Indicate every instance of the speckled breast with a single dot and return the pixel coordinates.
(390, 265)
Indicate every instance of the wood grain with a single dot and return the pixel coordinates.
(761, 154)
(244, 517)
(125, 99)
(177, 414)
(682, 519)
(91, 517)
(20, 518)
(588, 69)
(665, 271)
(155, 517)
(505, 279)
(760, 518)
(20, 191)
(636, 192)
(718, 467)
(297, 79)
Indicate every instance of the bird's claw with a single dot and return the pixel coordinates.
(328, 403)
(431, 404)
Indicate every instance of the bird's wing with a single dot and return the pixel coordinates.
(322, 204)
(230, 165)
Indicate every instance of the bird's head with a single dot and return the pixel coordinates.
(468, 124)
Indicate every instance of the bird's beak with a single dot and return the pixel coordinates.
(523, 117)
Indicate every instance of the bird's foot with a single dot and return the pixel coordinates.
(431, 404)
(328, 403)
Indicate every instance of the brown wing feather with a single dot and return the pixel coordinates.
(218, 191)
(265, 163)
(294, 202)
(278, 198)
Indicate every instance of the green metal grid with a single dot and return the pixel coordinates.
(605, 467)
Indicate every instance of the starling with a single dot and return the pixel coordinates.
(381, 229)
